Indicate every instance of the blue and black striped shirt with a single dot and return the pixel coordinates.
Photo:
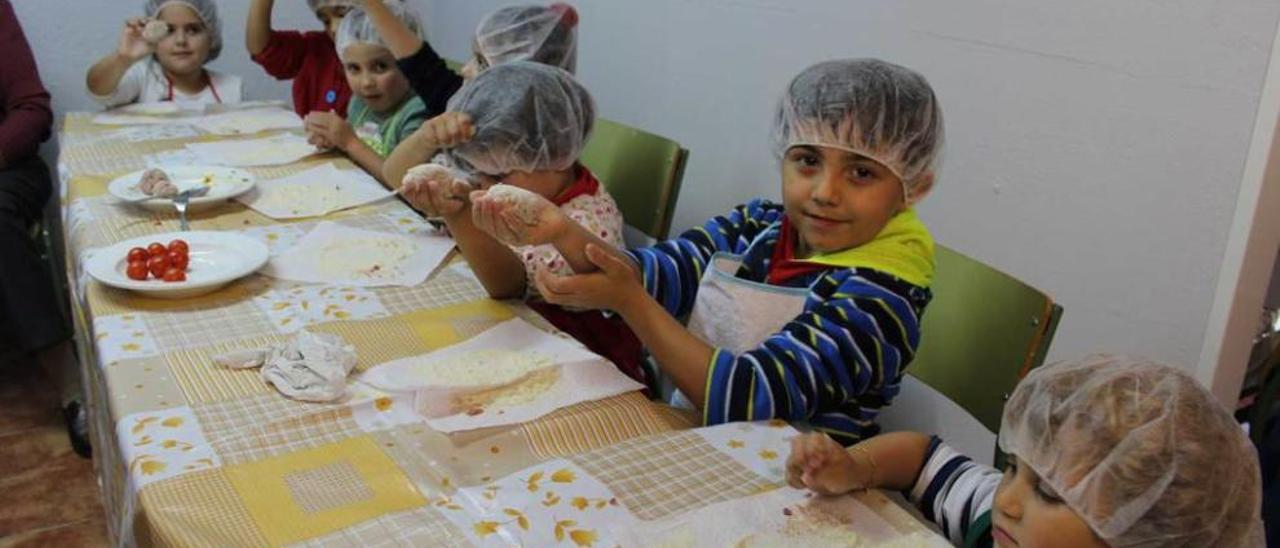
(833, 366)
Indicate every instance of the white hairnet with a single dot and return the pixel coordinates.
(317, 4)
(1142, 452)
(527, 117)
(869, 107)
(543, 34)
(356, 27)
(206, 10)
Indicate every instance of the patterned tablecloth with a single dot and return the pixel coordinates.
(192, 454)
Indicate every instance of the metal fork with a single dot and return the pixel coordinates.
(180, 203)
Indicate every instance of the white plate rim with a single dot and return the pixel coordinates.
(105, 258)
(129, 179)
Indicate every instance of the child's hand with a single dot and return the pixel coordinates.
(434, 190)
(447, 130)
(819, 463)
(613, 287)
(132, 45)
(515, 216)
(328, 130)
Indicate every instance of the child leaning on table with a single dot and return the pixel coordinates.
(803, 310)
(1104, 451)
(184, 36)
(307, 58)
(383, 110)
(531, 124)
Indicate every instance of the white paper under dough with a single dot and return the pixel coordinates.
(315, 192)
(267, 151)
(582, 375)
(781, 517)
(342, 255)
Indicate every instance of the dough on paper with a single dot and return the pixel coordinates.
(364, 257)
(474, 381)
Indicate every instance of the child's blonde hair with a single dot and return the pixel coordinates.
(1141, 451)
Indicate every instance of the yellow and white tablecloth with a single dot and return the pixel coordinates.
(192, 454)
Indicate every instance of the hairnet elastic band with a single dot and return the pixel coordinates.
(194, 8)
(903, 180)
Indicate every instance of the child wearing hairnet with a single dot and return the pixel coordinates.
(541, 34)
(182, 36)
(804, 310)
(383, 110)
(531, 124)
(307, 58)
(1103, 451)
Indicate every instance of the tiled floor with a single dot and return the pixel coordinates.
(50, 494)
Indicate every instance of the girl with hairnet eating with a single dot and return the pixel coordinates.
(177, 38)
(1103, 451)
(383, 110)
(531, 123)
(804, 310)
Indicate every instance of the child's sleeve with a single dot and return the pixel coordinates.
(430, 78)
(834, 366)
(128, 90)
(672, 269)
(955, 493)
(284, 55)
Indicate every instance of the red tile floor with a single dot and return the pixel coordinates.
(50, 494)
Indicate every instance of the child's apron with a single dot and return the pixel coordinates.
(736, 314)
(379, 137)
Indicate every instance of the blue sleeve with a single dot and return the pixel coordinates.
(834, 366)
(672, 269)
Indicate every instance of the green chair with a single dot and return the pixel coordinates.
(641, 170)
(983, 331)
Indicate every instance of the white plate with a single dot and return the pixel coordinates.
(224, 183)
(217, 258)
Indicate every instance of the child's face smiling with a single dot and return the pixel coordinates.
(186, 48)
(331, 17)
(836, 199)
(1028, 513)
(373, 76)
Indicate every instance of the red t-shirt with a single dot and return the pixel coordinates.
(310, 59)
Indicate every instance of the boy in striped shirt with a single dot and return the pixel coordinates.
(1104, 451)
(806, 310)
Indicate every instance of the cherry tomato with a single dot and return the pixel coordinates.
(156, 249)
(178, 260)
(138, 254)
(179, 245)
(137, 270)
(157, 265)
(175, 275)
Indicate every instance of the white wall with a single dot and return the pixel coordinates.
(1095, 147)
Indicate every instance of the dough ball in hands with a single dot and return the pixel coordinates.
(524, 205)
(155, 31)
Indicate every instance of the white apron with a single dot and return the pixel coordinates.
(738, 315)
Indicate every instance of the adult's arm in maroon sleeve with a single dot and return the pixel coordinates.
(26, 118)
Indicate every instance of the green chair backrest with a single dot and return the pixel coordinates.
(641, 170)
(983, 331)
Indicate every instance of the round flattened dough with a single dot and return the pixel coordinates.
(155, 31)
